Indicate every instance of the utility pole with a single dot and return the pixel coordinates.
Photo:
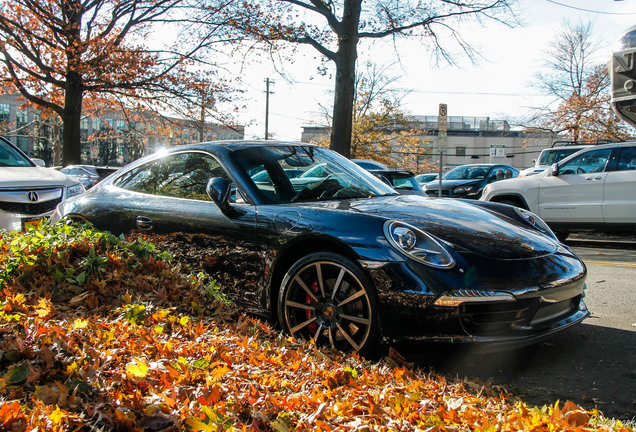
(267, 93)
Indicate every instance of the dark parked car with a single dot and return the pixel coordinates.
(88, 175)
(345, 260)
(426, 177)
(468, 181)
(402, 181)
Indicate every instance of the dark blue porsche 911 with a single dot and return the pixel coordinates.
(337, 256)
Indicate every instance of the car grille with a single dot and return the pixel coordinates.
(16, 201)
(30, 209)
(492, 319)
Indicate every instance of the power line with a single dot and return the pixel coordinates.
(590, 10)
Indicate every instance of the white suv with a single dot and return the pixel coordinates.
(550, 156)
(593, 189)
(28, 192)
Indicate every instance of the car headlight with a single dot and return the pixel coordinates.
(75, 189)
(417, 244)
(462, 190)
(535, 221)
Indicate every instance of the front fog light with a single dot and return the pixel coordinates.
(455, 298)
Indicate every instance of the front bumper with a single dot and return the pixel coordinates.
(531, 308)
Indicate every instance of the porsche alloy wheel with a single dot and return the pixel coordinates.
(326, 298)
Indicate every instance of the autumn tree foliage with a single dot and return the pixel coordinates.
(336, 28)
(75, 56)
(580, 87)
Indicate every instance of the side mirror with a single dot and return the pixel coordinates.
(219, 189)
(39, 162)
(554, 170)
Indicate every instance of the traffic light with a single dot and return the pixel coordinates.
(622, 69)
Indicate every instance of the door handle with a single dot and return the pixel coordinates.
(144, 223)
(593, 178)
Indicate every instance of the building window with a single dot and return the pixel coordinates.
(4, 112)
(21, 118)
(460, 151)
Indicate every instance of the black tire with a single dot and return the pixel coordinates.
(327, 298)
(562, 235)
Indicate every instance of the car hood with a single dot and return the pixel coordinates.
(449, 184)
(463, 225)
(12, 177)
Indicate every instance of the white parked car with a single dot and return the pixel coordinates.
(28, 192)
(593, 189)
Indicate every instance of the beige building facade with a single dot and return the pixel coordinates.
(469, 140)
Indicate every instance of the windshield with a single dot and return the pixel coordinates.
(467, 172)
(273, 171)
(10, 157)
(552, 156)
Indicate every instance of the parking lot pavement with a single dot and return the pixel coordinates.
(592, 364)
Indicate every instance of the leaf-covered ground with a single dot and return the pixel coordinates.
(99, 333)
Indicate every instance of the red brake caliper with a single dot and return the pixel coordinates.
(313, 327)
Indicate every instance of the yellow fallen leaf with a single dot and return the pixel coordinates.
(137, 369)
(56, 416)
(79, 324)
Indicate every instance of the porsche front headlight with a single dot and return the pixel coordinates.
(418, 245)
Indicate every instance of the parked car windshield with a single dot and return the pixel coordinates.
(552, 156)
(10, 157)
(467, 172)
(325, 175)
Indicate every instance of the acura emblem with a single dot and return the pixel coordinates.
(33, 196)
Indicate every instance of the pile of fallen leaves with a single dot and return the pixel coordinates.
(101, 333)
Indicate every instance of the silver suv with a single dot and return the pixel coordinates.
(29, 193)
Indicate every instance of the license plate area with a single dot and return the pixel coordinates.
(31, 223)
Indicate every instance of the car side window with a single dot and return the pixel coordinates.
(626, 159)
(140, 179)
(592, 161)
(186, 175)
(182, 175)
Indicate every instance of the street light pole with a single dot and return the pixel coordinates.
(267, 93)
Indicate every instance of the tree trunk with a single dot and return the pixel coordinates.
(345, 78)
(74, 91)
(71, 119)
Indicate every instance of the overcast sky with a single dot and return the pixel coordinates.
(498, 87)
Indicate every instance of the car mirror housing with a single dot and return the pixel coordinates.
(554, 170)
(219, 189)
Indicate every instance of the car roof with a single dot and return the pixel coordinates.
(240, 144)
